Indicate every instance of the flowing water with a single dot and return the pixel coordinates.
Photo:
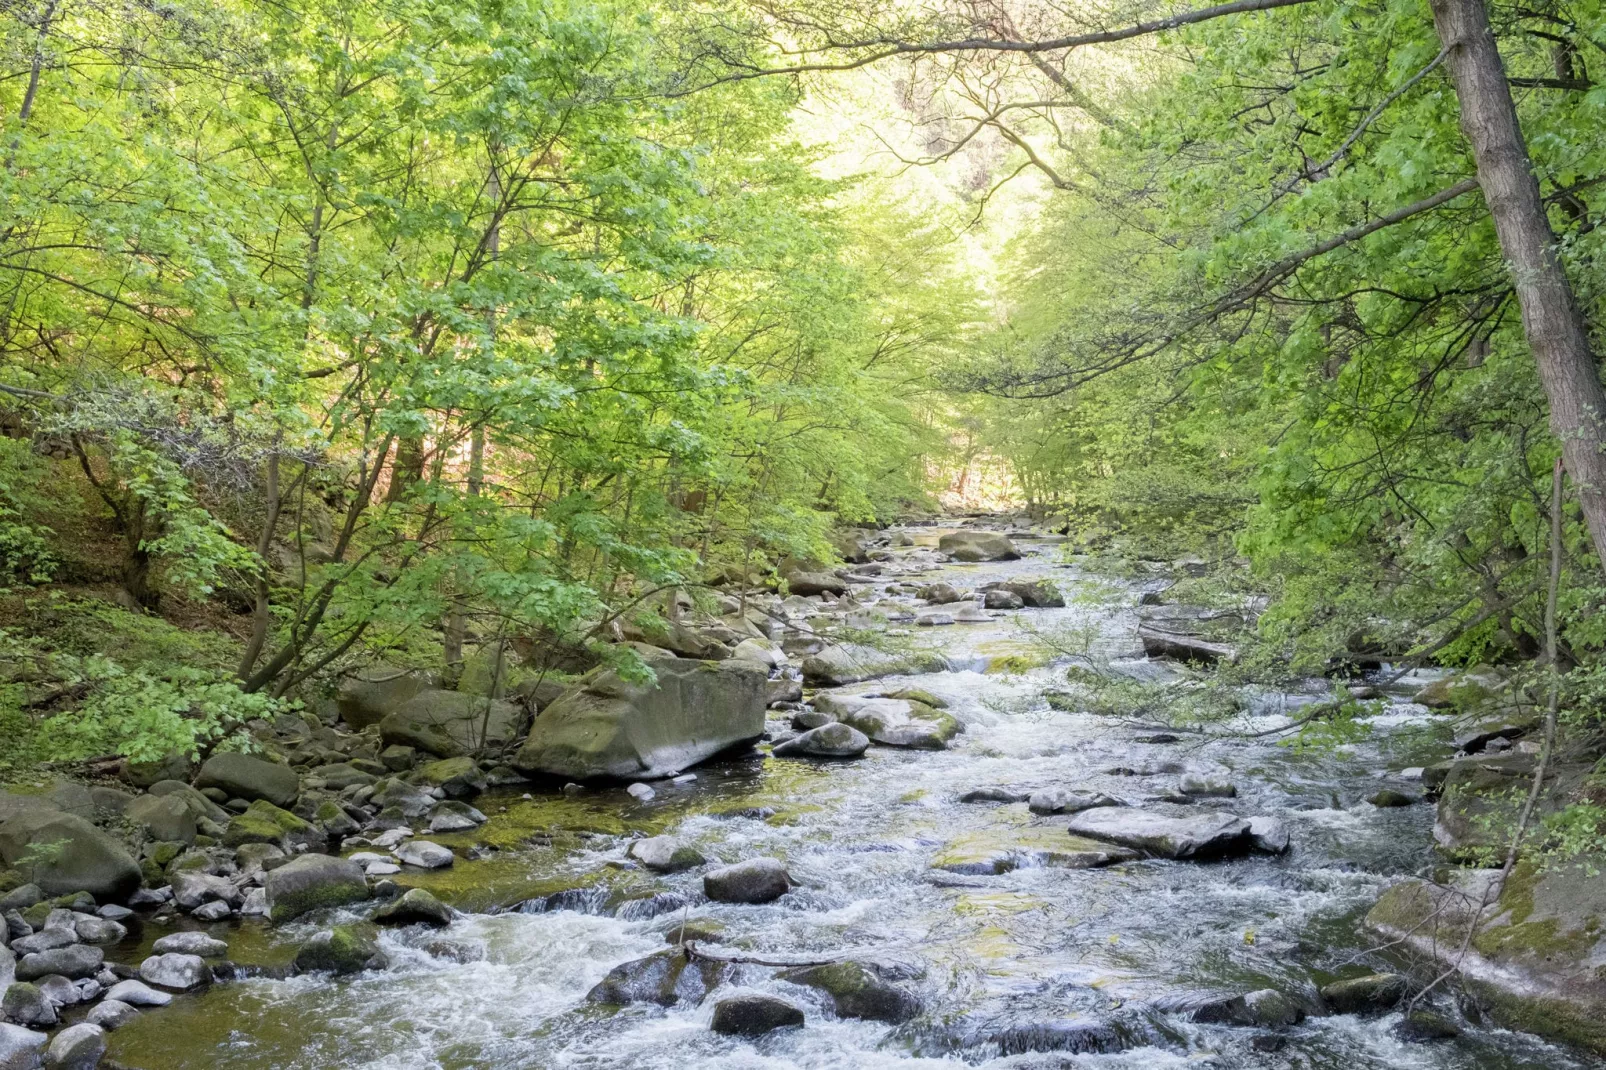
(1024, 969)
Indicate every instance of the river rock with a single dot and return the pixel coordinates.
(1036, 594)
(665, 854)
(665, 978)
(1068, 801)
(415, 907)
(837, 664)
(78, 1047)
(198, 804)
(1269, 835)
(174, 970)
(893, 722)
(367, 696)
(942, 594)
(1193, 838)
(1206, 786)
(25, 1004)
(754, 1015)
(192, 888)
(110, 1014)
(191, 943)
(978, 546)
(996, 795)
(62, 854)
(21, 1049)
(757, 880)
(310, 882)
(92, 929)
(1266, 1008)
(46, 939)
(813, 581)
(79, 960)
(858, 990)
(1388, 798)
(610, 728)
(136, 994)
(163, 817)
(459, 778)
(1425, 1027)
(425, 854)
(804, 720)
(340, 950)
(451, 724)
(1374, 993)
(454, 816)
(827, 741)
(997, 599)
(1002, 850)
(241, 776)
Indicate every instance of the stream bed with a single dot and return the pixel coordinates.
(1039, 966)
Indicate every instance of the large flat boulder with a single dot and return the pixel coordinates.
(893, 722)
(451, 724)
(609, 728)
(978, 546)
(367, 696)
(1197, 837)
(850, 663)
(243, 777)
(62, 853)
(1037, 594)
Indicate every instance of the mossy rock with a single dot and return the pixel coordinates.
(859, 990)
(344, 949)
(264, 822)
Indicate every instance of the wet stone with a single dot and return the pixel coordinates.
(1425, 1027)
(757, 880)
(174, 970)
(1069, 801)
(78, 1047)
(1373, 993)
(191, 943)
(664, 854)
(665, 978)
(858, 990)
(755, 1015)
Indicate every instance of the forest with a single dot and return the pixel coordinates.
(491, 345)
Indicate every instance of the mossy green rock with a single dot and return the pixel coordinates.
(611, 728)
(460, 778)
(263, 822)
(859, 990)
(449, 724)
(665, 978)
(62, 854)
(343, 949)
(313, 882)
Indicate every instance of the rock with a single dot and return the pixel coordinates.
(1194, 838)
(24, 1004)
(753, 1016)
(827, 741)
(1037, 594)
(665, 854)
(1388, 798)
(978, 546)
(415, 907)
(243, 777)
(110, 1014)
(1374, 993)
(1269, 835)
(61, 854)
(848, 663)
(1002, 850)
(942, 594)
(21, 1049)
(21, 898)
(808, 582)
(893, 722)
(858, 990)
(454, 816)
(934, 620)
(192, 888)
(804, 720)
(136, 994)
(398, 759)
(1003, 600)
(163, 817)
(1067, 801)
(216, 910)
(79, 960)
(45, 940)
(1207, 786)
(78, 1047)
(450, 724)
(1266, 1008)
(757, 880)
(762, 651)
(425, 854)
(199, 804)
(640, 792)
(459, 778)
(1480, 798)
(341, 775)
(92, 929)
(174, 970)
(311, 882)
(341, 950)
(665, 978)
(1424, 1027)
(367, 696)
(191, 943)
(1463, 691)
(609, 728)
(255, 904)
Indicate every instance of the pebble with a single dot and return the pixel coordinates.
(641, 791)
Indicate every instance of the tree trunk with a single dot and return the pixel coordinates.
(1551, 318)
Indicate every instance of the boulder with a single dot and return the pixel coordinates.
(459, 778)
(608, 728)
(454, 816)
(425, 854)
(415, 907)
(1003, 600)
(339, 776)
(665, 854)
(837, 664)
(893, 722)
(367, 696)
(754, 1015)
(20, 1048)
(174, 970)
(264, 823)
(828, 741)
(110, 1014)
(1164, 643)
(757, 880)
(193, 888)
(311, 882)
(1194, 838)
(136, 994)
(1425, 1027)
(1206, 786)
(341, 950)
(199, 804)
(942, 594)
(1372, 994)
(1037, 594)
(62, 854)
(79, 960)
(78, 1047)
(1068, 801)
(807, 582)
(763, 651)
(665, 978)
(1269, 835)
(163, 817)
(1388, 799)
(1266, 1008)
(190, 943)
(24, 1004)
(858, 990)
(978, 546)
(242, 776)
(450, 724)
(1480, 799)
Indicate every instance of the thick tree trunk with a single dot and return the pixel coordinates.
(1551, 318)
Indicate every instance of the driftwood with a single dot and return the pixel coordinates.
(1160, 643)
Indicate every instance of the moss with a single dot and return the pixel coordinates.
(263, 823)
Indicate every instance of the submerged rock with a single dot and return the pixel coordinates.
(1068, 801)
(609, 728)
(1267, 1008)
(1004, 850)
(1194, 838)
(757, 880)
(341, 950)
(664, 977)
(828, 741)
(665, 854)
(415, 907)
(1424, 1027)
(1374, 993)
(754, 1015)
(858, 990)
